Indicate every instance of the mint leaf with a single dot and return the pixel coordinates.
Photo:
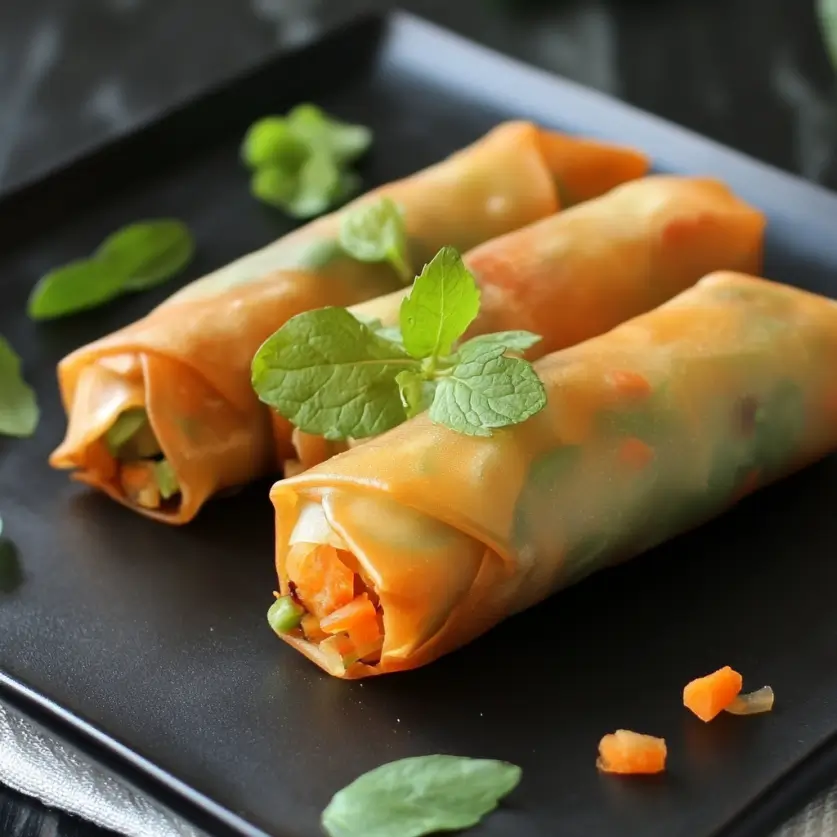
(827, 15)
(376, 232)
(330, 375)
(511, 341)
(19, 411)
(443, 302)
(345, 142)
(78, 286)
(272, 141)
(487, 390)
(418, 796)
(148, 253)
(274, 185)
(318, 186)
(416, 391)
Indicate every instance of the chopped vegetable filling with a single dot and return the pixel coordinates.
(337, 610)
(145, 476)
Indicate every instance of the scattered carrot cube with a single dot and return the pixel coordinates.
(708, 696)
(629, 752)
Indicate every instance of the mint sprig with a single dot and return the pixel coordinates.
(301, 162)
(135, 258)
(332, 375)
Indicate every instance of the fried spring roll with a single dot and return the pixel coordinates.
(582, 272)
(162, 415)
(650, 430)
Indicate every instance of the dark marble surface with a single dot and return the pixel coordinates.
(750, 73)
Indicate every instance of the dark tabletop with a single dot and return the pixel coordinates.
(750, 73)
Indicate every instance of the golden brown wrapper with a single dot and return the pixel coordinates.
(650, 430)
(583, 271)
(188, 361)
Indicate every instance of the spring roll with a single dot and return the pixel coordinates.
(412, 544)
(582, 272)
(162, 415)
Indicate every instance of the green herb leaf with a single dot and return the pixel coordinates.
(272, 141)
(284, 615)
(166, 479)
(345, 142)
(274, 186)
(78, 286)
(148, 253)
(331, 375)
(511, 341)
(827, 14)
(416, 391)
(376, 232)
(487, 390)
(19, 411)
(442, 304)
(417, 796)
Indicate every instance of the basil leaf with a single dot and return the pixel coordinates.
(417, 796)
(416, 391)
(19, 413)
(272, 141)
(330, 375)
(148, 253)
(487, 390)
(78, 286)
(376, 232)
(511, 341)
(443, 302)
(343, 141)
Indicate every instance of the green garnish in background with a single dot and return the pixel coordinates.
(827, 14)
(301, 162)
(332, 375)
(135, 258)
(19, 411)
(416, 796)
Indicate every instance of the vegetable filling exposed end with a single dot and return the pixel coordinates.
(144, 475)
(328, 603)
(628, 752)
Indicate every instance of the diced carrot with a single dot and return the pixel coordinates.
(708, 696)
(311, 628)
(629, 752)
(323, 582)
(635, 453)
(358, 619)
(630, 384)
(140, 484)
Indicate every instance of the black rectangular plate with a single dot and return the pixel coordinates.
(148, 645)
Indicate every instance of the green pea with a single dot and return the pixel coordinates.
(284, 615)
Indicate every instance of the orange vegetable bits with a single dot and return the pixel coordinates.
(629, 752)
(708, 696)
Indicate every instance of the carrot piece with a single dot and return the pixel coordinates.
(323, 582)
(629, 752)
(358, 619)
(311, 628)
(708, 696)
(630, 384)
(140, 484)
(635, 453)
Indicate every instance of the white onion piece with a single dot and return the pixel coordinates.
(752, 703)
(312, 526)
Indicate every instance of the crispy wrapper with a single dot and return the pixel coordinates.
(583, 271)
(650, 430)
(188, 362)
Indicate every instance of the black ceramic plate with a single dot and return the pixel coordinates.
(148, 645)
